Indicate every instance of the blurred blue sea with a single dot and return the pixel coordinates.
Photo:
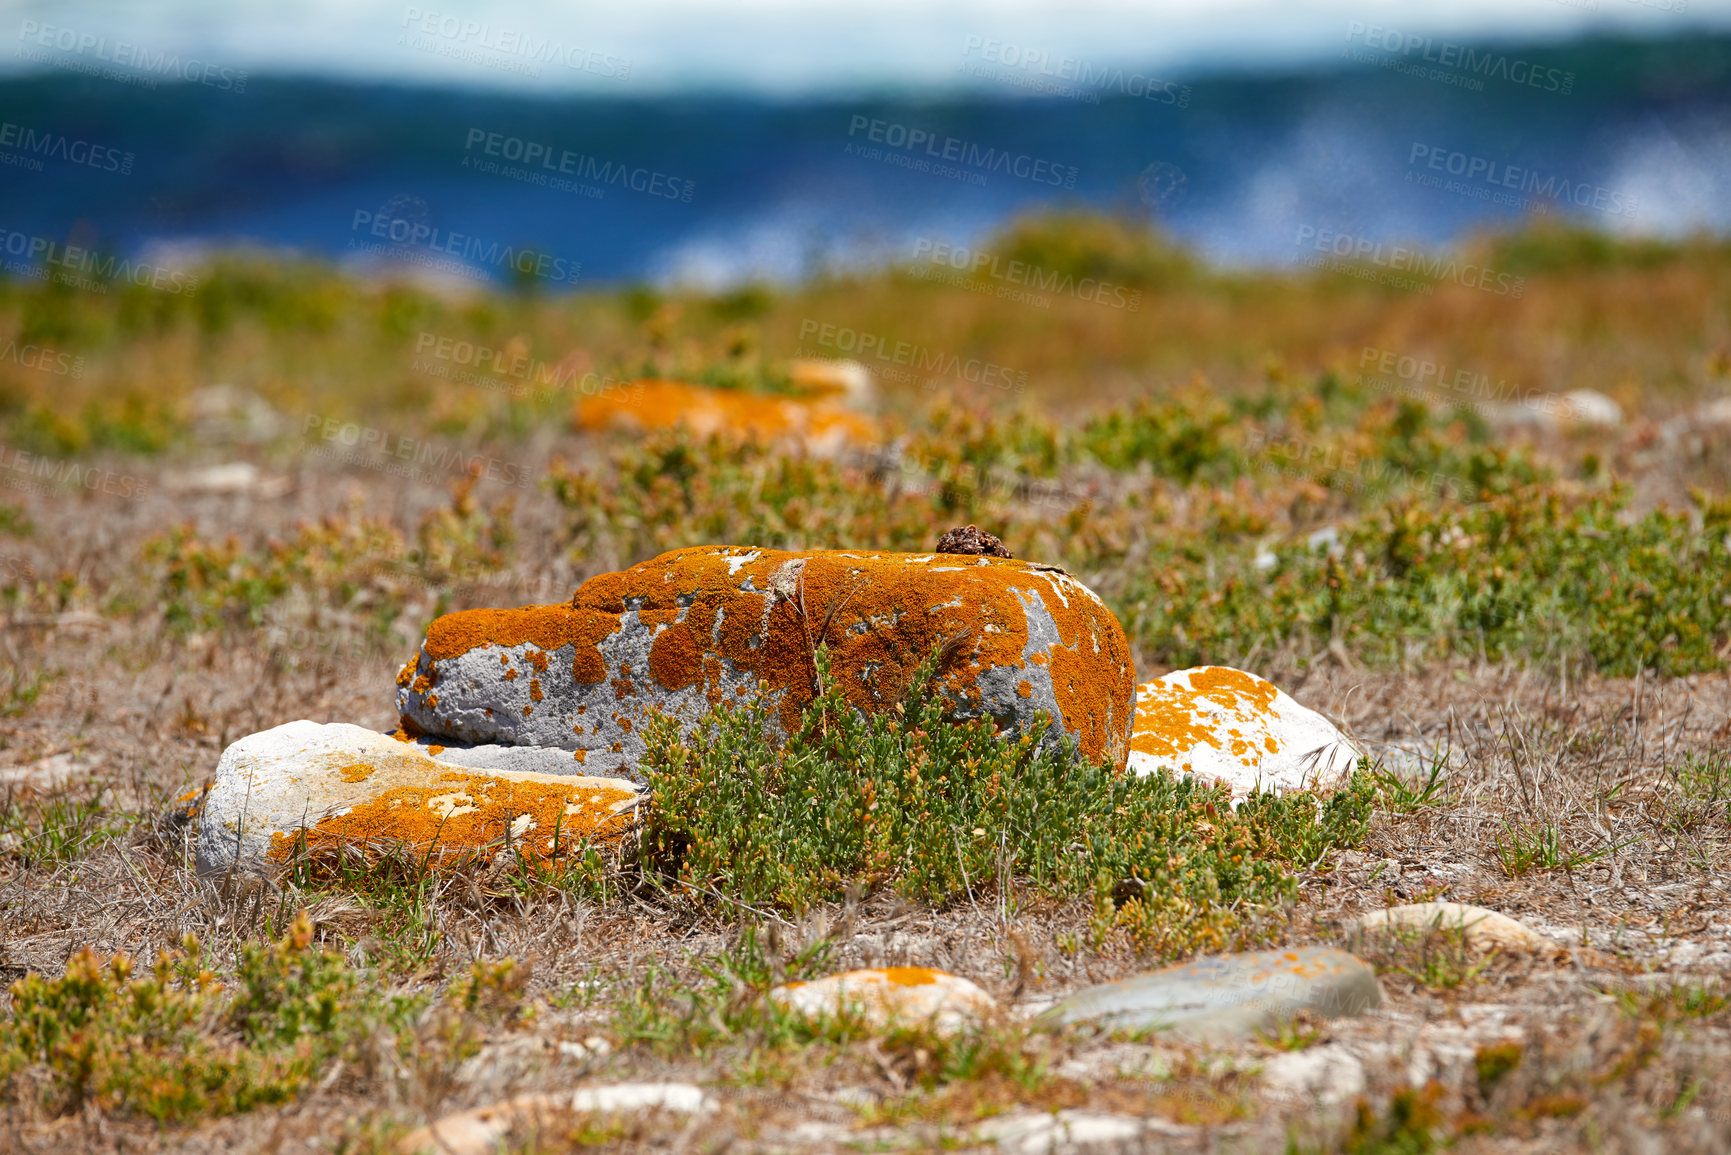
(718, 190)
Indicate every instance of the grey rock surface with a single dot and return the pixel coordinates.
(1228, 996)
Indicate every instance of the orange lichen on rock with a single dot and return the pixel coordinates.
(716, 622)
(911, 976)
(1169, 724)
(467, 811)
(890, 611)
(648, 404)
(546, 627)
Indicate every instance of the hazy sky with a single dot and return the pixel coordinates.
(779, 46)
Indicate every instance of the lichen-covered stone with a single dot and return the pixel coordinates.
(818, 424)
(696, 627)
(883, 996)
(1228, 996)
(316, 785)
(1225, 725)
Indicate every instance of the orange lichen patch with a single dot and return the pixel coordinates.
(468, 811)
(186, 807)
(535, 694)
(655, 404)
(355, 772)
(910, 976)
(890, 612)
(407, 673)
(675, 659)
(434, 749)
(1025, 688)
(546, 627)
(510, 675)
(424, 683)
(1169, 721)
(538, 659)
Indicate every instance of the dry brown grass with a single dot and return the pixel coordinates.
(1615, 772)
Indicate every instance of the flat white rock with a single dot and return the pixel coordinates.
(1224, 725)
(1323, 1074)
(481, 1130)
(301, 774)
(885, 996)
(1484, 929)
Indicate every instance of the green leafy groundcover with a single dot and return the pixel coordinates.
(1542, 572)
(177, 1043)
(951, 813)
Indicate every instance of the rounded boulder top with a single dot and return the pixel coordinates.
(695, 627)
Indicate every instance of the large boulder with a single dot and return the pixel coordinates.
(315, 785)
(696, 627)
(1224, 725)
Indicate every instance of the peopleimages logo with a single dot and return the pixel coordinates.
(1037, 70)
(1461, 60)
(46, 259)
(399, 455)
(42, 358)
(411, 236)
(1522, 182)
(513, 49)
(545, 165)
(954, 150)
(914, 362)
(41, 143)
(93, 51)
(1349, 249)
(1014, 276)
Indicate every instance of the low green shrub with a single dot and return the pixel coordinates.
(948, 813)
(176, 1043)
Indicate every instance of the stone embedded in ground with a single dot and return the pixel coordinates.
(819, 424)
(1228, 996)
(1225, 725)
(1325, 1075)
(971, 539)
(1483, 929)
(693, 628)
(1070, 1130)
(50, 773)
(882, 996)
(482, 1130)
(321, 785)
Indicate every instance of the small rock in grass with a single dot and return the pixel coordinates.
(324, 785)
(50, 773)
(481, 1130)
(1323, 1074)
(1228, 996)
(882, 996)
(1484, 929)
(1068, 1130)
(1224, 725)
